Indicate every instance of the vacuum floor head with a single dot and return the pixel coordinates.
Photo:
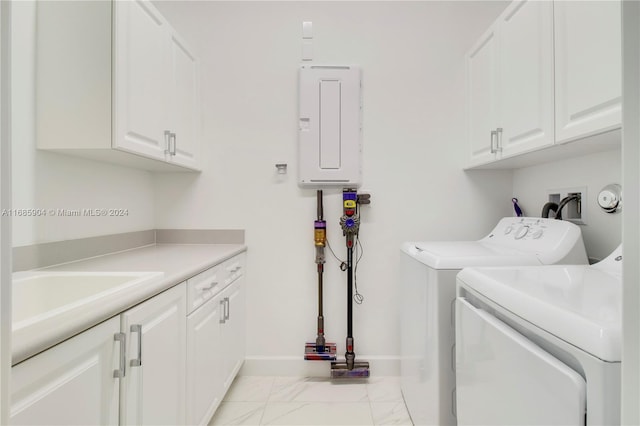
(327, 353)
(340, 370)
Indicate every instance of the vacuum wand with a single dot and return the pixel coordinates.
(320, 350)
(350, 223)
(320, 238)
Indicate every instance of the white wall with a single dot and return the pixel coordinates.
(43, 180)
(603, 231)
(412, 56)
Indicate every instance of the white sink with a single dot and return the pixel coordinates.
(42, 293)
(47, 304)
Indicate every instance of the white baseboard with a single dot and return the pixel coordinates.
(298, 367)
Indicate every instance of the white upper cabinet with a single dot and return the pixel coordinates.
(588, 67)
(481, 65)
(115, 79)
(142, 79)
(545, 73)
(184, 111)
(525, 77)
(510, 84)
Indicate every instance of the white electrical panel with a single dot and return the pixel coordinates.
(329, 127)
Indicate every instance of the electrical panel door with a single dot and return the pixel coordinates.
(329, 126)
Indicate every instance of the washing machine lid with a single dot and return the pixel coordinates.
(462, 254)
(579, 304)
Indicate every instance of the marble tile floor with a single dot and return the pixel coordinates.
(259, 400)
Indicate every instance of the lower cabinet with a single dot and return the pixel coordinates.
(153, 389)
(70, 384)
(233, 332)
(154, 364)
(215, 342)
(129, 369)
(204, 370)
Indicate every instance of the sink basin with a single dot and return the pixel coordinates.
(46, 293)
(49, 306)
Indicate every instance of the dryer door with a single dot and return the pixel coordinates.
(503, 378)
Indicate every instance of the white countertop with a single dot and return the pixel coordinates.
(177, 262)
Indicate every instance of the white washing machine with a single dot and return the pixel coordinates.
(539, 345)
(427, 295)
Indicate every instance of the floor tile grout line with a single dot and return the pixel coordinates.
(266, 403)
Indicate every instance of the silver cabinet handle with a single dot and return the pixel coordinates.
(223, 311)
(226, 316)
(499, 140)
(209, 286)
(172, 137)
(454, 403)
(167, 142)
(120, 372)
(453, 313)
(494, 136)
(453, 358)
(137, 328)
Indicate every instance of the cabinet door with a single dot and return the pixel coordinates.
(204, 355)
(184, 106)
(525, 101)
(588, 67)
(153, 391)
(142, 80)
(234, 331)
(481, 70)
(71, 383)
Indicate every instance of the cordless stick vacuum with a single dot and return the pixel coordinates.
(350, 223)
(320, 350)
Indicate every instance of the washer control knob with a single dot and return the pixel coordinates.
(521, 232)
(537, 234)
(508, 230)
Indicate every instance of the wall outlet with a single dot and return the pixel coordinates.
(573, 211)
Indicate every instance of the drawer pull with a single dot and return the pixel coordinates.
(208, 287)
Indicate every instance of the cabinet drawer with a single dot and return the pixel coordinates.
(234, 268)
(204, 286)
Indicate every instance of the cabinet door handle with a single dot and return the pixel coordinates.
(167, 142)
(172, 147)
(453, 358)
(137, 328)
(223, 311)
(499, 139)
(494, 136)
(122, 339)
(226, 317)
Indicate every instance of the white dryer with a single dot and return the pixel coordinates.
(539, 345)
(427, 296)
